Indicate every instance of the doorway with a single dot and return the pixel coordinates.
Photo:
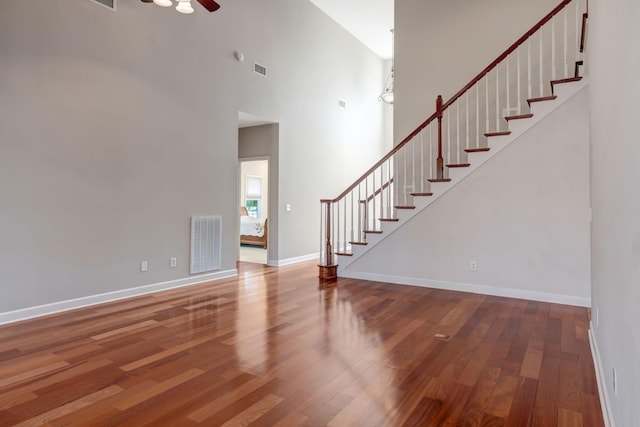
(254, 208)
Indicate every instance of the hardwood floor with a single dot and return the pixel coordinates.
(269, 348)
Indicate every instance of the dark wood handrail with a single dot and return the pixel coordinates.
(461, 92)
(378, 191)
(506, 53)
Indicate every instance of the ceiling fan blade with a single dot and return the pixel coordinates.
(210, 5)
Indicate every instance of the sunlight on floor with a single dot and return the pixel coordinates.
(253, 254)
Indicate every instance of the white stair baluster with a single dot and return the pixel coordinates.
(508, 88)
(486, 101)
(565, 43)
(457, 131)
(477, 115)
(373, 200)
(422, 161)
(541, 66)
(382, 191)
(404, 173)
(518, 82)
(467, 120)
(553, 48)
(390, 175)
(360, 239)
(497, 98)
(413, 165)
(529, 83)
(430, 152)
(448, 159)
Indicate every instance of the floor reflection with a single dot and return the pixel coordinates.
(332, 346)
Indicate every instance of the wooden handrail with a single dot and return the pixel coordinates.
(506, 53)
(378, 191)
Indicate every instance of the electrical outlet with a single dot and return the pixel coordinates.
(596, 316)
(144, 266)
(287, 207)
(615, 382)
(473, 265)
(173, 262)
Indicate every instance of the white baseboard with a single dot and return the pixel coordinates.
(72, 304)
(602, 385)
(294, 260)
(473, 288)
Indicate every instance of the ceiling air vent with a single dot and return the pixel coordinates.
(260, 69)
(111, 4)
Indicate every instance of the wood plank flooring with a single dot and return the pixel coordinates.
(269, 348)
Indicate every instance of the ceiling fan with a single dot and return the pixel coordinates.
(184, 6)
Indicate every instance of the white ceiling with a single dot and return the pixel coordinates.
(368, 20)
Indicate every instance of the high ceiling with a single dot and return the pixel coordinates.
(368, 20)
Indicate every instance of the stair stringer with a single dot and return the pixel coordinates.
(540, 110)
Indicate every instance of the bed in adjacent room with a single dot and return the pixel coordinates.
(253, 231)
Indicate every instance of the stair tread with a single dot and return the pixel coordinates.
(405, 207)
(439, 180)
(567, 80)
(389, 219)
(505, 132)
(421, 194)
(459, 165)
(477, 150)
(519, 116)
(359, 243)
(542, 98)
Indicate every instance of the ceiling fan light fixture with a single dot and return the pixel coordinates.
(163, 3)
(184, 6)
(387, 97)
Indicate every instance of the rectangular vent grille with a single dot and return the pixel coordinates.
(206, 236)
(260, 69)
(111, 4)
(342, 103)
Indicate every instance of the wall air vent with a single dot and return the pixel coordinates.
(260, 69)
(111, 4)
(206, 234)
(342, 103)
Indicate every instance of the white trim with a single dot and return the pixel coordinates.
(294, 260)
(72, 304)
(607, 414)
(473, 288)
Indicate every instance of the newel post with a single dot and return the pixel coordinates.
(440, 159)
(329, 270)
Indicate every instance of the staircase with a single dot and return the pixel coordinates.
(530, 79)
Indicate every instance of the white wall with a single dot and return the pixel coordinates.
(116, 127)
(614, 67)
(442, 45)
(523, 217)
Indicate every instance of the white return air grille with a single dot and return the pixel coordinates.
(206, 237)
(260, 69)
